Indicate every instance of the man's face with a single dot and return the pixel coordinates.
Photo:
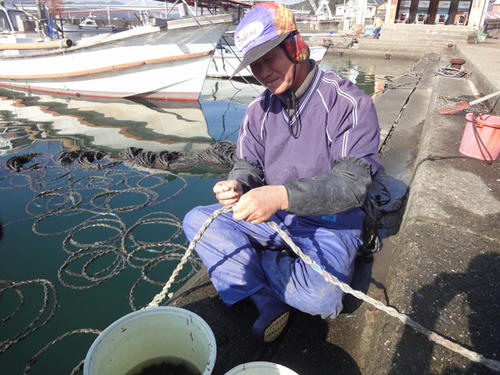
(274, 70)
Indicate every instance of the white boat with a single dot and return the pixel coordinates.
(225, 61)
(317, 53)
(167, 63)
(227, 58)
(89, 24)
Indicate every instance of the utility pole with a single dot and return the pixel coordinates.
(361, 12)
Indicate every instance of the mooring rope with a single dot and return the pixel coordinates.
(405, 319)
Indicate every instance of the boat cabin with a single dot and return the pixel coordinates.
(13, 20)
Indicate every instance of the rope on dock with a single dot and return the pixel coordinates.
(405, 319)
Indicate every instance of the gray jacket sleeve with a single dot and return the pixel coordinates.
(249, 175)
(344, 188)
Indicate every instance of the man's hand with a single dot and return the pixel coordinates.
(259, 204)
(228, 192)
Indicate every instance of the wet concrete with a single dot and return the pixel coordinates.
(443, 269)
(439, 262)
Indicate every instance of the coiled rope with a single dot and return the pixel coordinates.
(447, 71)
(405, 319)
(219, 155)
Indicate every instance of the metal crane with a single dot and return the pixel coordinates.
(322, 10)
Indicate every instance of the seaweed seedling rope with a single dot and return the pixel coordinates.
(432, 336)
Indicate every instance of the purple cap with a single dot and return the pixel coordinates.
(264, 27)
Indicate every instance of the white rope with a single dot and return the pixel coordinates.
(432, 336)
(163, 294)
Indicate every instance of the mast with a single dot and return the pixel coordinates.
(40, 20)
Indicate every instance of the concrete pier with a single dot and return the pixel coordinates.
(440, 260)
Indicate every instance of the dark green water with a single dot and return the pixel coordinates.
(165, 366)
(82, 248)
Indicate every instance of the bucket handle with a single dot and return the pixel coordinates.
(483, 121)
(477, 123)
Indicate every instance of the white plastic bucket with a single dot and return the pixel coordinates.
(260, 368)
(148, 334)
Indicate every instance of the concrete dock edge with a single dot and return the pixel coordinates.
(444, 268)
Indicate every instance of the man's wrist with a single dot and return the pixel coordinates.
(284, 197)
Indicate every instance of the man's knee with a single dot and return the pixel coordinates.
(324, 300)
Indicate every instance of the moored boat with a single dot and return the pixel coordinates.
(168, 63)
(88, 25)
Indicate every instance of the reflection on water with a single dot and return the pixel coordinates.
(109, 126)
(86, 243)
(13, 139)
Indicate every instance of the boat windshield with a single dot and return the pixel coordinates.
(4, 22)
(20, 21)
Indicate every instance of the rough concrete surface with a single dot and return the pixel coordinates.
(483, 61)
(444, 272)
(447, 281)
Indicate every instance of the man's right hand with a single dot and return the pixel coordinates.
(228, 192)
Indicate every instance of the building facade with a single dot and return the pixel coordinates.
(434, 12)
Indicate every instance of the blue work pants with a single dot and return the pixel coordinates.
(242, 257)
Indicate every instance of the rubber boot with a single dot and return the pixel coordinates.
(273, 315)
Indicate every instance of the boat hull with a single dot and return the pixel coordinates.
(147, 62)
(224, 63)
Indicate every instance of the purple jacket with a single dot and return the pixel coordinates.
(339, 123)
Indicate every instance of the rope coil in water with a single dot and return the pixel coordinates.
(405, 319)
(45, 313)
